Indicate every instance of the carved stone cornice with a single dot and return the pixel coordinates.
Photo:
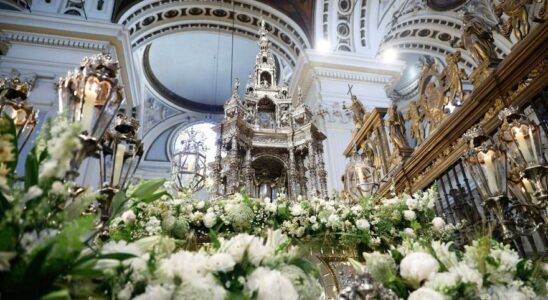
(520, 77)
(49, 40)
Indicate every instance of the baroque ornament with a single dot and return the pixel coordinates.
(272, 147)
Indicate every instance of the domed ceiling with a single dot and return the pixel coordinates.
(192, 69)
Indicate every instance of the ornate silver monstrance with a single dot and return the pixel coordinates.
(271, 146)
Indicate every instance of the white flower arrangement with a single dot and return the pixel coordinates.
(244, 265)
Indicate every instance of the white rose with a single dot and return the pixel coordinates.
(200, 204)
(315, 227)
(221, 262)
(425, 294)
(299, 198)
(129, 217)
(418, 266)
(209, 219)
(362, 224)
(438, 224)
(409, 215)
(267, 200)
(270, 285)
(410, 233)
(312, 219)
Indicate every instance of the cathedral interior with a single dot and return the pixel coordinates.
(328, 99)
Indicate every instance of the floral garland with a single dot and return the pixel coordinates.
(328, 222)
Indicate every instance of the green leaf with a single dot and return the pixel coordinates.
(147, 188)
(214, 240)
(8, 238)
(12, 131)
(117, 203)
(154, 197)
(68, 244)
(57, 295)
(31, 170)
(5, 205)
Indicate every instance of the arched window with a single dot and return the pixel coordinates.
(266, 79)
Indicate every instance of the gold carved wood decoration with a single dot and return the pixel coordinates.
(516, 81)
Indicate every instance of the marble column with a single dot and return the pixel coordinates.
(217, 167)
(292, 172)
(234, 163)
(322, 174)
(302, 175)
(312, 174)
(248, 172)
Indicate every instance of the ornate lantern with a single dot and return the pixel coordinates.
(120, 156)
(360, 177)
(486, 163)
(91, 95)
(522, 138)
(13, 96)
(188, 165)
(122, 152)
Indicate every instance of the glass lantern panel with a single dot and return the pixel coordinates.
(106, 114)
(493, 168)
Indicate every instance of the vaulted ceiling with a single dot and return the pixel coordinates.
(300, 11)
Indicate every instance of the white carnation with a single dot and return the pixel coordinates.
(418, 266)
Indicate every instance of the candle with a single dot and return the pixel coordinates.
(190, 164)
(529, 189)
(90, 96)
(87, 115)
(490, 169)
(118, 162)
(522, 145)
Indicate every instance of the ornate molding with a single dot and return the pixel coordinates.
(155, 112)
(354, 76)
(55, 41)
(149, 20)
